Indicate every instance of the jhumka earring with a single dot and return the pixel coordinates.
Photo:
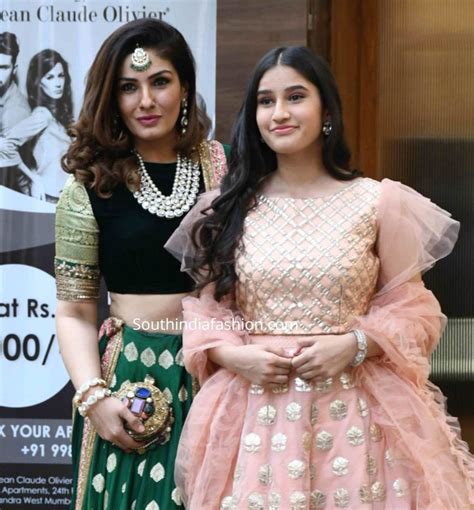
(140, 60)
(184, 115)
(327, 127)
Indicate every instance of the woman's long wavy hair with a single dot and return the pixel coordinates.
(100, 154)
(218, 234)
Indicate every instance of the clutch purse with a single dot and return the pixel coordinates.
(149, 403)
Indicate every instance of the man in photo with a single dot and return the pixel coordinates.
(13, 108)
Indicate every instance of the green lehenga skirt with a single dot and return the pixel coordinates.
(107, 478)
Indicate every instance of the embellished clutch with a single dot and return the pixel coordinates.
(149, 403)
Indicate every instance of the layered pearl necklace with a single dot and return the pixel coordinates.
(183, 195)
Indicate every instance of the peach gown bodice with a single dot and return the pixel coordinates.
(308, 266)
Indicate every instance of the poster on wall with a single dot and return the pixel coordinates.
(46, 49)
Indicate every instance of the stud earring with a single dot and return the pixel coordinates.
(184, 115)
(327, 127)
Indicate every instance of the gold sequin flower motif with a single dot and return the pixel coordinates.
(340, 466)
(293, 411)
(324, 440)
(266, 415)
(355, 436)
(296, 469)
(338, 410)
(252, 443)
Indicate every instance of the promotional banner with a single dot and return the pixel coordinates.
(46, 49)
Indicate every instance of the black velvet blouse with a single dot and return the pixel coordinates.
(131, 254)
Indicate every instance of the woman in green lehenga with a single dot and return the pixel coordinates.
(138, 161)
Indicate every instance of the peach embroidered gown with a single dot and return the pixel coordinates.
(374, 437)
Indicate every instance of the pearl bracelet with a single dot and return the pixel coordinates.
(95, 381)
(99, 394)
(361, 346)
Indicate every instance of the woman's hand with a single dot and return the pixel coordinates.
(324, 356)
(260, 364)
(108, 416)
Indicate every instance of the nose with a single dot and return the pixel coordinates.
(147, 99)
(280, 112)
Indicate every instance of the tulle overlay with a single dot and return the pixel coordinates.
(406, 322)
(181, 244)
(378, 436)
(374, 437)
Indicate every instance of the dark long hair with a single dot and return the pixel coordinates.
(100, 154)
(219, 233)
(40, 65)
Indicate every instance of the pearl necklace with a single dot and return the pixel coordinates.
(183, 195)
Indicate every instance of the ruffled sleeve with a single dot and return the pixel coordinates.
(413, 233)
(208, 323)
(405, 320)
(404, 317)
(180, 244)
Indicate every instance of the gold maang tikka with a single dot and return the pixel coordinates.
(140, 60)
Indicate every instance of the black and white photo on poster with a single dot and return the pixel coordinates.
(33, 145)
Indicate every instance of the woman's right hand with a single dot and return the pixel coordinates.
(109, 416)
(264, 365)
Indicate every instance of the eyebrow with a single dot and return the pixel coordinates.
(288, 89)
(163, 71)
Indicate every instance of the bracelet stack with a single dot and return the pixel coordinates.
(99, 394)
(361, 346)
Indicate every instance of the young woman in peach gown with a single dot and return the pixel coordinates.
(322, 399)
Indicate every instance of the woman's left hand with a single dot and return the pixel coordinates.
(324, 356)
